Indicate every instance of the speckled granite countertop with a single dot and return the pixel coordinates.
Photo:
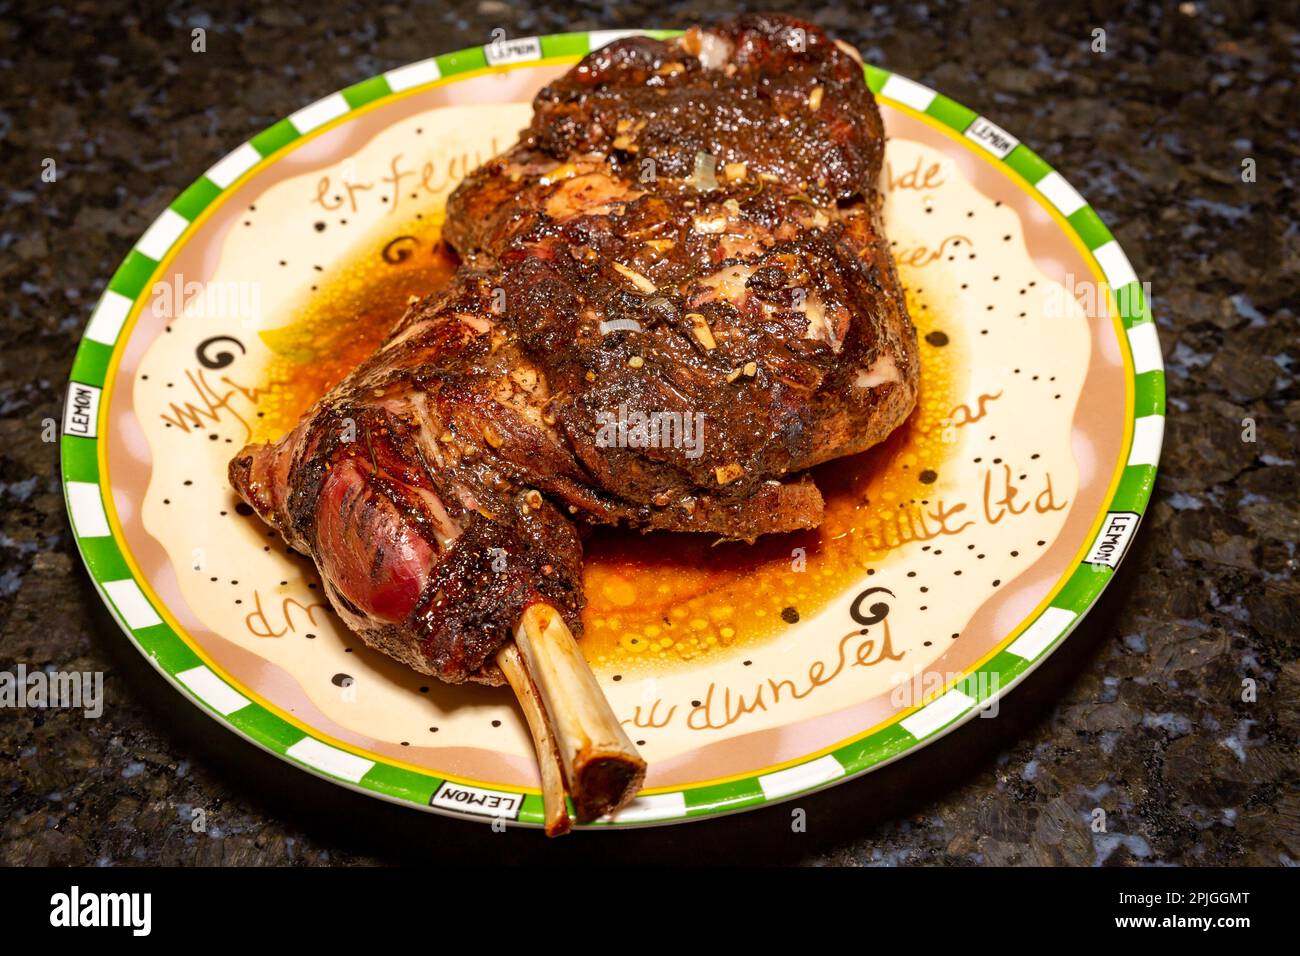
(1141, 713)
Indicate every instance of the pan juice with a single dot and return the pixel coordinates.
(342, 320)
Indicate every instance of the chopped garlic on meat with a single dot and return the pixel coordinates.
(714, 50)
(636, 278)
(700, 329)
(726, 474)
(710, 224)
(851, 50)
(560, 172)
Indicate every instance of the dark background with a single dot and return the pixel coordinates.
(1140, 713)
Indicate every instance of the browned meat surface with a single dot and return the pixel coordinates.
(675, 297)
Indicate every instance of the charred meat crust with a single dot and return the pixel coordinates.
(675, 296)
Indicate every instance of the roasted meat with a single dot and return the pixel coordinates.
(675, 297)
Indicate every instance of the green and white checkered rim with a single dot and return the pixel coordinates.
(177, 661)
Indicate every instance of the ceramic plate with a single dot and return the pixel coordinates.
(953, 558)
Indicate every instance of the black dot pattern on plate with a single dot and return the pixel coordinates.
(996, 302)
(342, 680)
